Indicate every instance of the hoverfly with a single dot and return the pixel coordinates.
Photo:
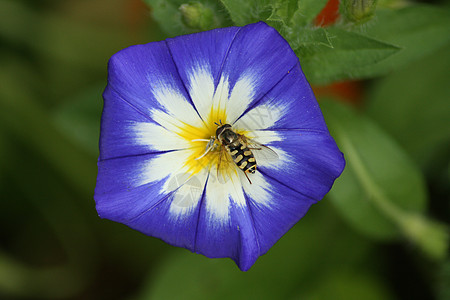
(236, 148)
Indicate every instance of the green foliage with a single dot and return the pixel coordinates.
(417, 30)
(245, 12)
(338, 52)
(334, 53)
(278, 13)
(413, 106)
(348, 285)
(358, 11)
(306, 12)
(181, 17)
(18, 113)
(381, 192)
(444, 278)
(197, 16)
(293, 270)
(78, 118)
(379, 178)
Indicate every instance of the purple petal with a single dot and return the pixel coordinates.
(120, 133)
(129, 192)
(160, 222)
(231, 235)
(260, 53)
(146, 77)
(121, 192)
(255, 52)
(133, 71)
(207, 49)
(272, 220)
(309, 163)
(288, 105)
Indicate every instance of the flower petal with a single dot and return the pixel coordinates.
(309, 161)
(252, 59)
(199, 58)
(146, 77)
(174, 218)
(272, 215)
(258, 59)
(127, 132)
(224, 226)
(255, 217)
(289, 105)
(128, 186)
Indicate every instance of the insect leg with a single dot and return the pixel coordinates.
(247, 177)
(209, 146)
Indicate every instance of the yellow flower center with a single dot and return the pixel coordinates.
(217, 156)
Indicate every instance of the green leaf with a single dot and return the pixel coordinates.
(284, 15)
(169, 15)
(412, 104)
(379, 179)
(333, 54)
(28, 121)
(18, 280)
(197, 16)
(353, 285)
(306, 12)
(418, 30)
(293, 264)
(79, 118)
(308, 41)
(166, 13)
(5, 151)
(358, 11)
(198, 278)
(246, 12)
(284, 9)
(443, 288)
(381, 192)
(15, 21)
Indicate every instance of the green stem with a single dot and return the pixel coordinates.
(430, 236)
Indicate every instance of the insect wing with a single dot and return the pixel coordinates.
(224, 161)
(261, 152)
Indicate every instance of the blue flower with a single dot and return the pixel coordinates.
(162, 105)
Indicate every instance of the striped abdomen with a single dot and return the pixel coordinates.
(242, 156)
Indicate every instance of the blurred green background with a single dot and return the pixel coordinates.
(381, 233)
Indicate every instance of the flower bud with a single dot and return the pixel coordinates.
(197, 16)
(359, 11)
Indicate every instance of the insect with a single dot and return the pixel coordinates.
(236, 148)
